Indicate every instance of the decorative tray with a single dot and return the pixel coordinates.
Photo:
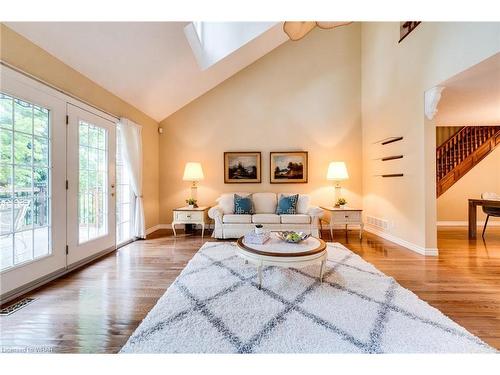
(292, 237)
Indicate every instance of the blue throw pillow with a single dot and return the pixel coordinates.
(287, 205)
(243, 205)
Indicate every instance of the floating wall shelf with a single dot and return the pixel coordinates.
(391, 140)
(391, 175)
(387, 158)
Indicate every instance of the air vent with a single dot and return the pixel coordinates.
(16, 306)
(377, 222)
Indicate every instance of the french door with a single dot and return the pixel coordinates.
(91, 155)
(32, 183)
(57, 183)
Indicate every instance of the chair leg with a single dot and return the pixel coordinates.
(485, 224)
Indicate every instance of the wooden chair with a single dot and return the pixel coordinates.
(490, 211)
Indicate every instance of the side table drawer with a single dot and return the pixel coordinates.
(187, 216)
(346, 217)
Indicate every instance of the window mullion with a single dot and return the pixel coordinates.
(12, 188)
(32, 185)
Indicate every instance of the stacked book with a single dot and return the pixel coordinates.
(257, 239)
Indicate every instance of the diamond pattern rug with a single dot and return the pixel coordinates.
(215, 306)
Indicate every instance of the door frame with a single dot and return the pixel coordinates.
(76, 251)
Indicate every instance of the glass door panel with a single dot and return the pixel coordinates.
(25, 194)
(93, 182)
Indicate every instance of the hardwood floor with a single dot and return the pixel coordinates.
(97, 308)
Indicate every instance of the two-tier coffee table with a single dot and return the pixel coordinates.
(276, 252)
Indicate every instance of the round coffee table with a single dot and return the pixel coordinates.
(276, 252)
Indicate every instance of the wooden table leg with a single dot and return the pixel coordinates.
(472, 220)
(321, 269)
(260, 275)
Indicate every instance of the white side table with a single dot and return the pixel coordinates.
(186, 215)
(344, 216)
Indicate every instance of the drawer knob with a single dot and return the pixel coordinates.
(346, 216)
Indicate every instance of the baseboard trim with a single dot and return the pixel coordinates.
(22, 290)
(457, 223)
(399, 241)
(156, 227)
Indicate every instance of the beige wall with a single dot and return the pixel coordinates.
(26, 56)
(301, 96)
(394, 79)
(452, 205)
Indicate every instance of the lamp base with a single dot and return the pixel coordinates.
(194, 191)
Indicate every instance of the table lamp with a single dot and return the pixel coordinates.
(337, 172)
(194, 173)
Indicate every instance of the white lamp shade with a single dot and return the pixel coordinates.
(337, 171)
(193, 172)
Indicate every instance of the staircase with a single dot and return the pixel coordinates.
(459, 154)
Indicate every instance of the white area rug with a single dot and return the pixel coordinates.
(215, 306)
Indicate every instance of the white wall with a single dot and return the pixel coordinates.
(394, 79)
(303, 95)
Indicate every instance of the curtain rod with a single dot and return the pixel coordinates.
(55, 88)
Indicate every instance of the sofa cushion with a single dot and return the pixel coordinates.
(243, 205)
(237, 219)
(264, 203)
(295, 219)
(226, 202)
(287, 204)
(265, 219)
(302, 203)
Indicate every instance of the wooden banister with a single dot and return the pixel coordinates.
(460, 153)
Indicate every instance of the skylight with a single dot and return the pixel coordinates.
(212, 41)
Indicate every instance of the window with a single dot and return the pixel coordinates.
(24, 182)
(124, 196)
(198, 26)
(93, 172)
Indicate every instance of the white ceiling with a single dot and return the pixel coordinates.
(472, 97)
(148, 64)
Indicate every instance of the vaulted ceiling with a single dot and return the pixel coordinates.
(150, 65)
(472, 97)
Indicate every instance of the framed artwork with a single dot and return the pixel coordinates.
(242, 167)
(406, 27)
(288, 167)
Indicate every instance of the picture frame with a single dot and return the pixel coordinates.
(406, 27)
(288, 167)
(242, 167)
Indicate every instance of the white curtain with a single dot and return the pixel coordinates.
(132, 154)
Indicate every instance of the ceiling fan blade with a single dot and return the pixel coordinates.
(296, 30)
(331, 25)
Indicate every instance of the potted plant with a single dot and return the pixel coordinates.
(192, 203)
(341, 202)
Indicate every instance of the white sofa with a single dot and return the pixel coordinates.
(231, 225)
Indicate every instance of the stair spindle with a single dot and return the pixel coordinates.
(460, 147)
